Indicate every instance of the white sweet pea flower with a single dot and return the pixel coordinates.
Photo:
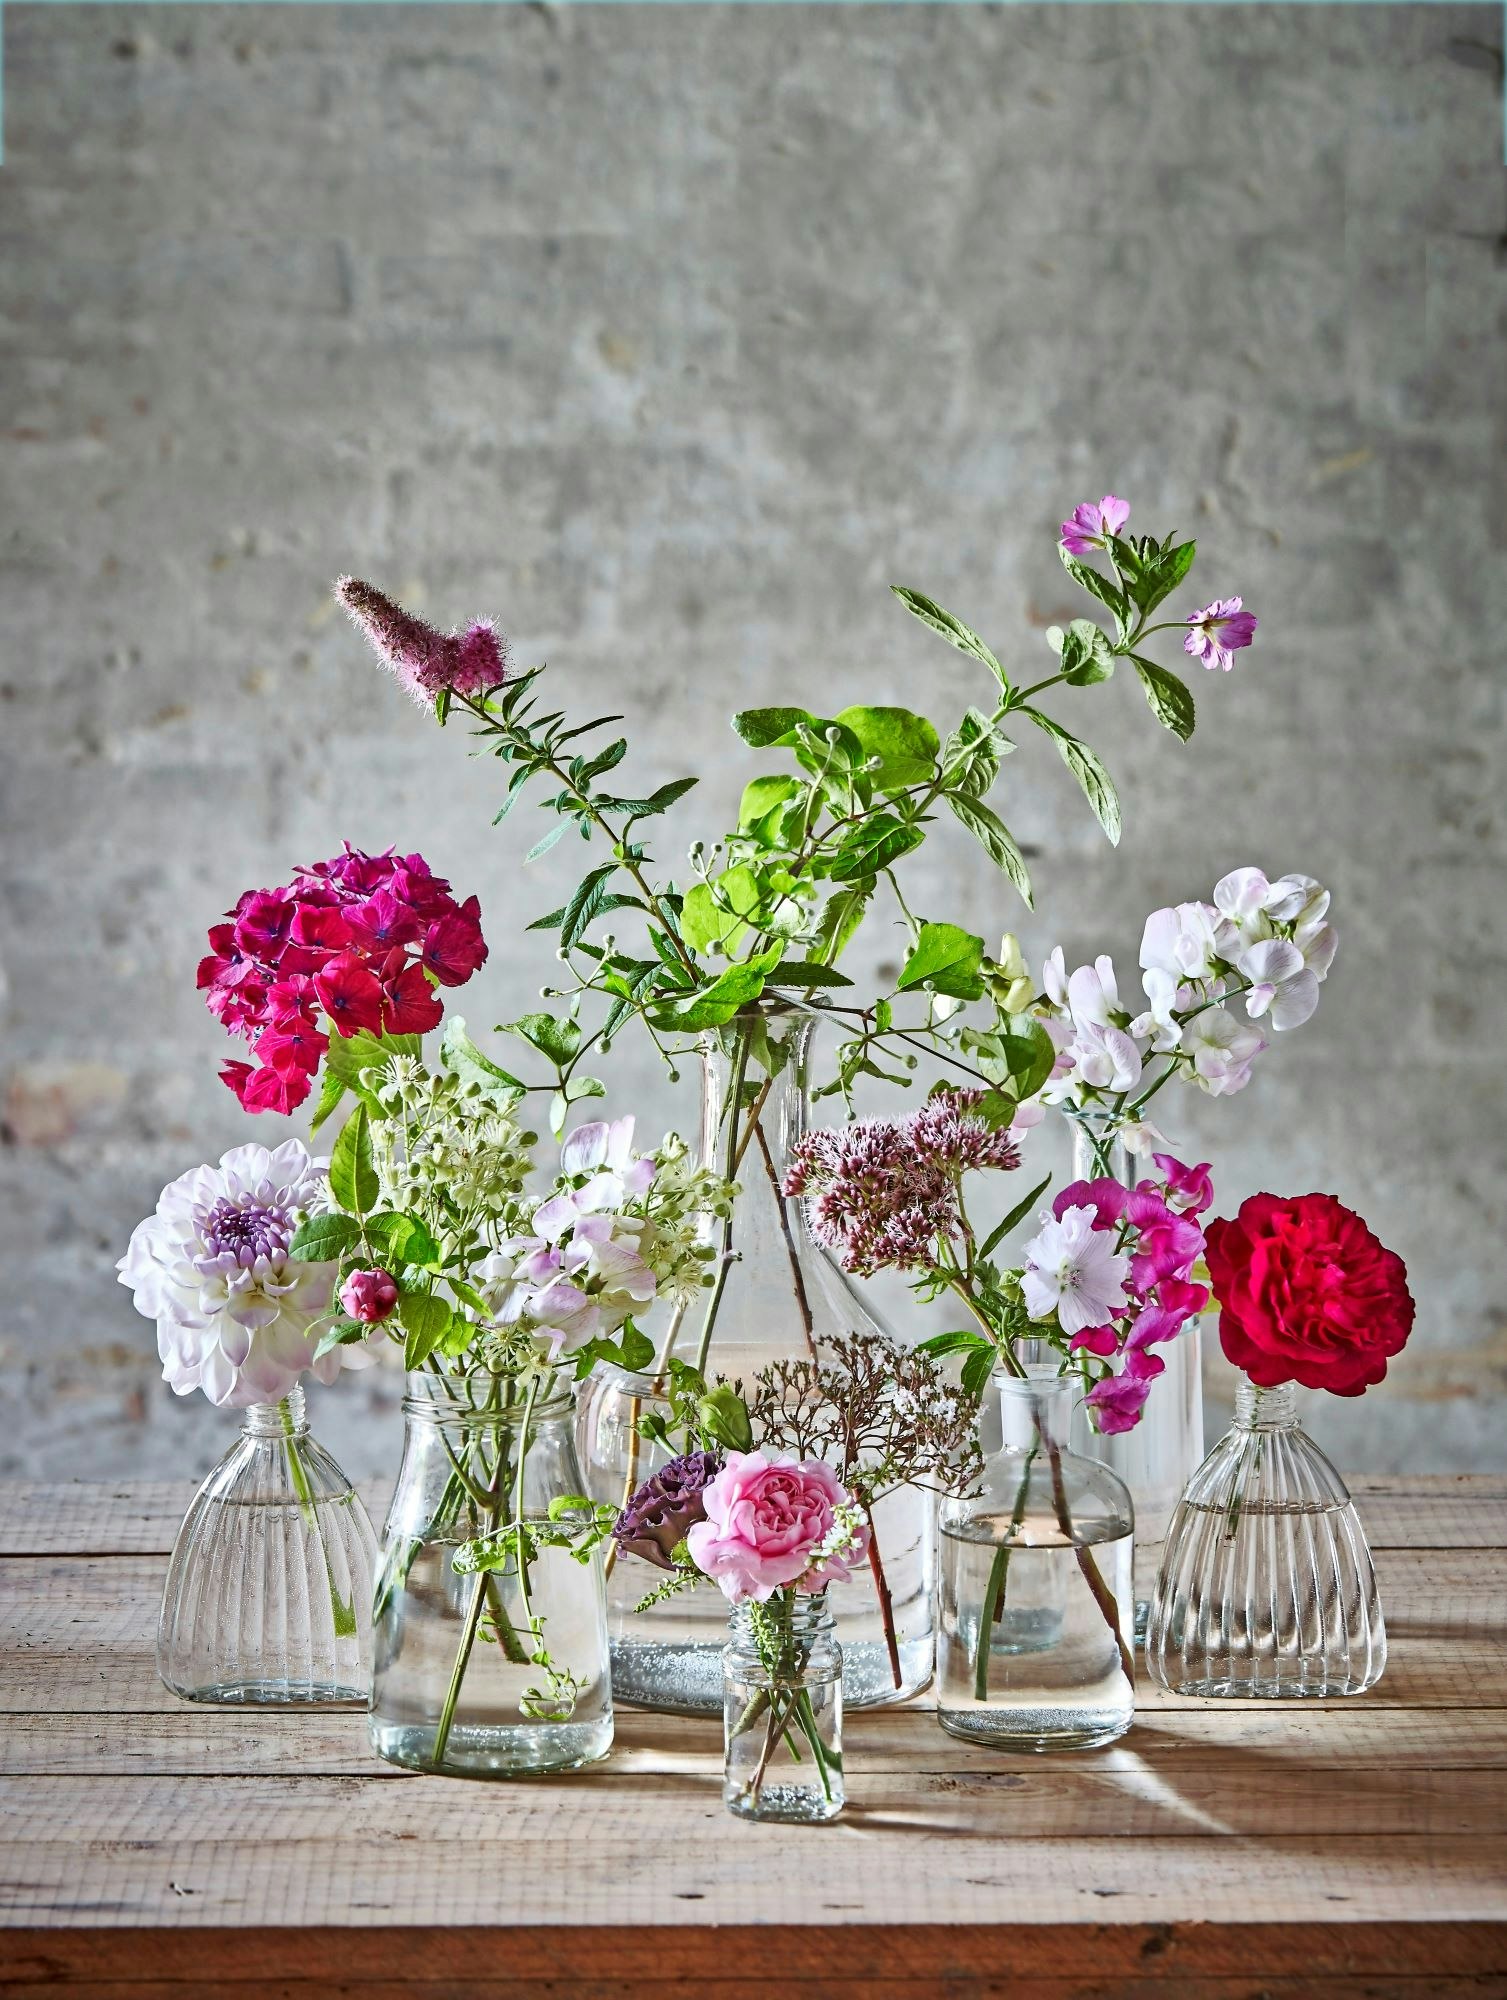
(1181, 941)
(1240, 897)
(1282, 986)
(1158, 1025)
(1074, 1270)
(1221, 1051)
(603, 1152)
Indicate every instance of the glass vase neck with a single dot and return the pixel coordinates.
(287, 1418)
(1266, 1409)
(804, 1615)
(1035, 1409)
(480, 1397)
(1098, 1150)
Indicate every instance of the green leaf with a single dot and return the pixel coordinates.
(944, 959)
(760, 798)
(353, 1172)
(905, 744)
(349, 1057)
(1169, 696)
(996, 839)
(704, 923)
(806, 972)
(722, 999)
(586, 904)
(339, 1333)
(1098, 586)
(460, 1055)
(1016, 1054)
(557, 832)
(841, 915)
(976, 1372)
(323, 1237)
(657, 801)
(584, 769)
(962, 1341)
(1087, 769)
(636, 1347)
(876, 843)
(556, 1040)
(1013, 1220)
(971, 755)
(404, 1238)
(426, 1321)
(953, 630)
(1158, 579)
(1086, 654)
(763, 728)
(330, 1093)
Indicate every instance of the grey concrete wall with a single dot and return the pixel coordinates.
(668, 336)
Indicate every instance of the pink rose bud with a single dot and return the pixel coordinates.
(369, 1296)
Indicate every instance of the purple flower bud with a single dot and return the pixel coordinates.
(654, 1522)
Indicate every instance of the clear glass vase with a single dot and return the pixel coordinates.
(777, 1295)
(503, 1671)
(1156, 1458)
(268, 1593)
(782, 1710)
(1033, 1643)
(1267, 1586)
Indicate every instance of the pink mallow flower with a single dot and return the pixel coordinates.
(1219, 631)
(1089, 527)
(427, 661)
(369, 1296)
(770, 1523)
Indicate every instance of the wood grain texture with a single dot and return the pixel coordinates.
(1341, 1849)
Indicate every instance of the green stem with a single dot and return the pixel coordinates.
(1097, 1586)
(730, 1154)
(458, 1672)
(994, 1591)
(342, 1611)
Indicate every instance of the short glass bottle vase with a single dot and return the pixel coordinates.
(1036, 1612)
(496, 1671)
(1266, 1587)
(782, 1710)
(267, 1601)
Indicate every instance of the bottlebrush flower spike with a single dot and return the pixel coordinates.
(426, 660)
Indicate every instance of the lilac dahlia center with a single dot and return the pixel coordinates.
(246, 1233)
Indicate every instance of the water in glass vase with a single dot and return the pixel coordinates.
(1036, 1589)
(515, 1717)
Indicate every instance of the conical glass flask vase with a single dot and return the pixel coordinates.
(776, 1296)
(268, 1594)
(1266, 1587)
(1158, 1456)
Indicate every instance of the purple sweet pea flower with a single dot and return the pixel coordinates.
(1090, 527)
(1219, 631)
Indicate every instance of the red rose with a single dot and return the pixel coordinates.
(1307, 1294)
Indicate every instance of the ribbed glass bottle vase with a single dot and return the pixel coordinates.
(1266, 1586)
(268, 1592)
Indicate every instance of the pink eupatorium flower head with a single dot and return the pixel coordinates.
(1089, 527)
(1219, 631)
(767, 1516)
(426, 660)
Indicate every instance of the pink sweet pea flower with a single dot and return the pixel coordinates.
(766, 1515)
(1189, 1189)
(1107, 1198)
(1116, 1403)
(1090, 527)
(1102, 1340)
(1219, 631)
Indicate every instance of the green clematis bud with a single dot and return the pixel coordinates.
(723, 1415)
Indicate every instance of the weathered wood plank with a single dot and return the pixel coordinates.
(1034, 1801)
(76, 1633)
(1422, 1984)
(141, 1517)
(1236, 1740)
(867, 1868)
(636, 1958)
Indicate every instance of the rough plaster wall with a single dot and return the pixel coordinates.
(669, 336)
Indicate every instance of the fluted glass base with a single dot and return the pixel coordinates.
(267, 1601)
(1266, 1588)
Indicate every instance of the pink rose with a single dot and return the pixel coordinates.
(766, 1512)
(369, 1296)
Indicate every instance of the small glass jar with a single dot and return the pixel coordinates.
(1036, 1611)
(1267, 1588)
(502, 1671)
(267, 1600)
(782, 1710)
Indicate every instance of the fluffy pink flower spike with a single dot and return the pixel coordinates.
(426, 660)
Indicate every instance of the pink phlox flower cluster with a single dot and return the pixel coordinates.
(362, 940)
(881, 1193)
(1159, 1226)
(426, 660)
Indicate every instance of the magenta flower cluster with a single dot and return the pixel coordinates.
(882, 1192)
(427, 661)
(359, 942)
(1216, 633)
(1166, 1240)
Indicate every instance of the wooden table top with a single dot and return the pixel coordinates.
(1340, 1848)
